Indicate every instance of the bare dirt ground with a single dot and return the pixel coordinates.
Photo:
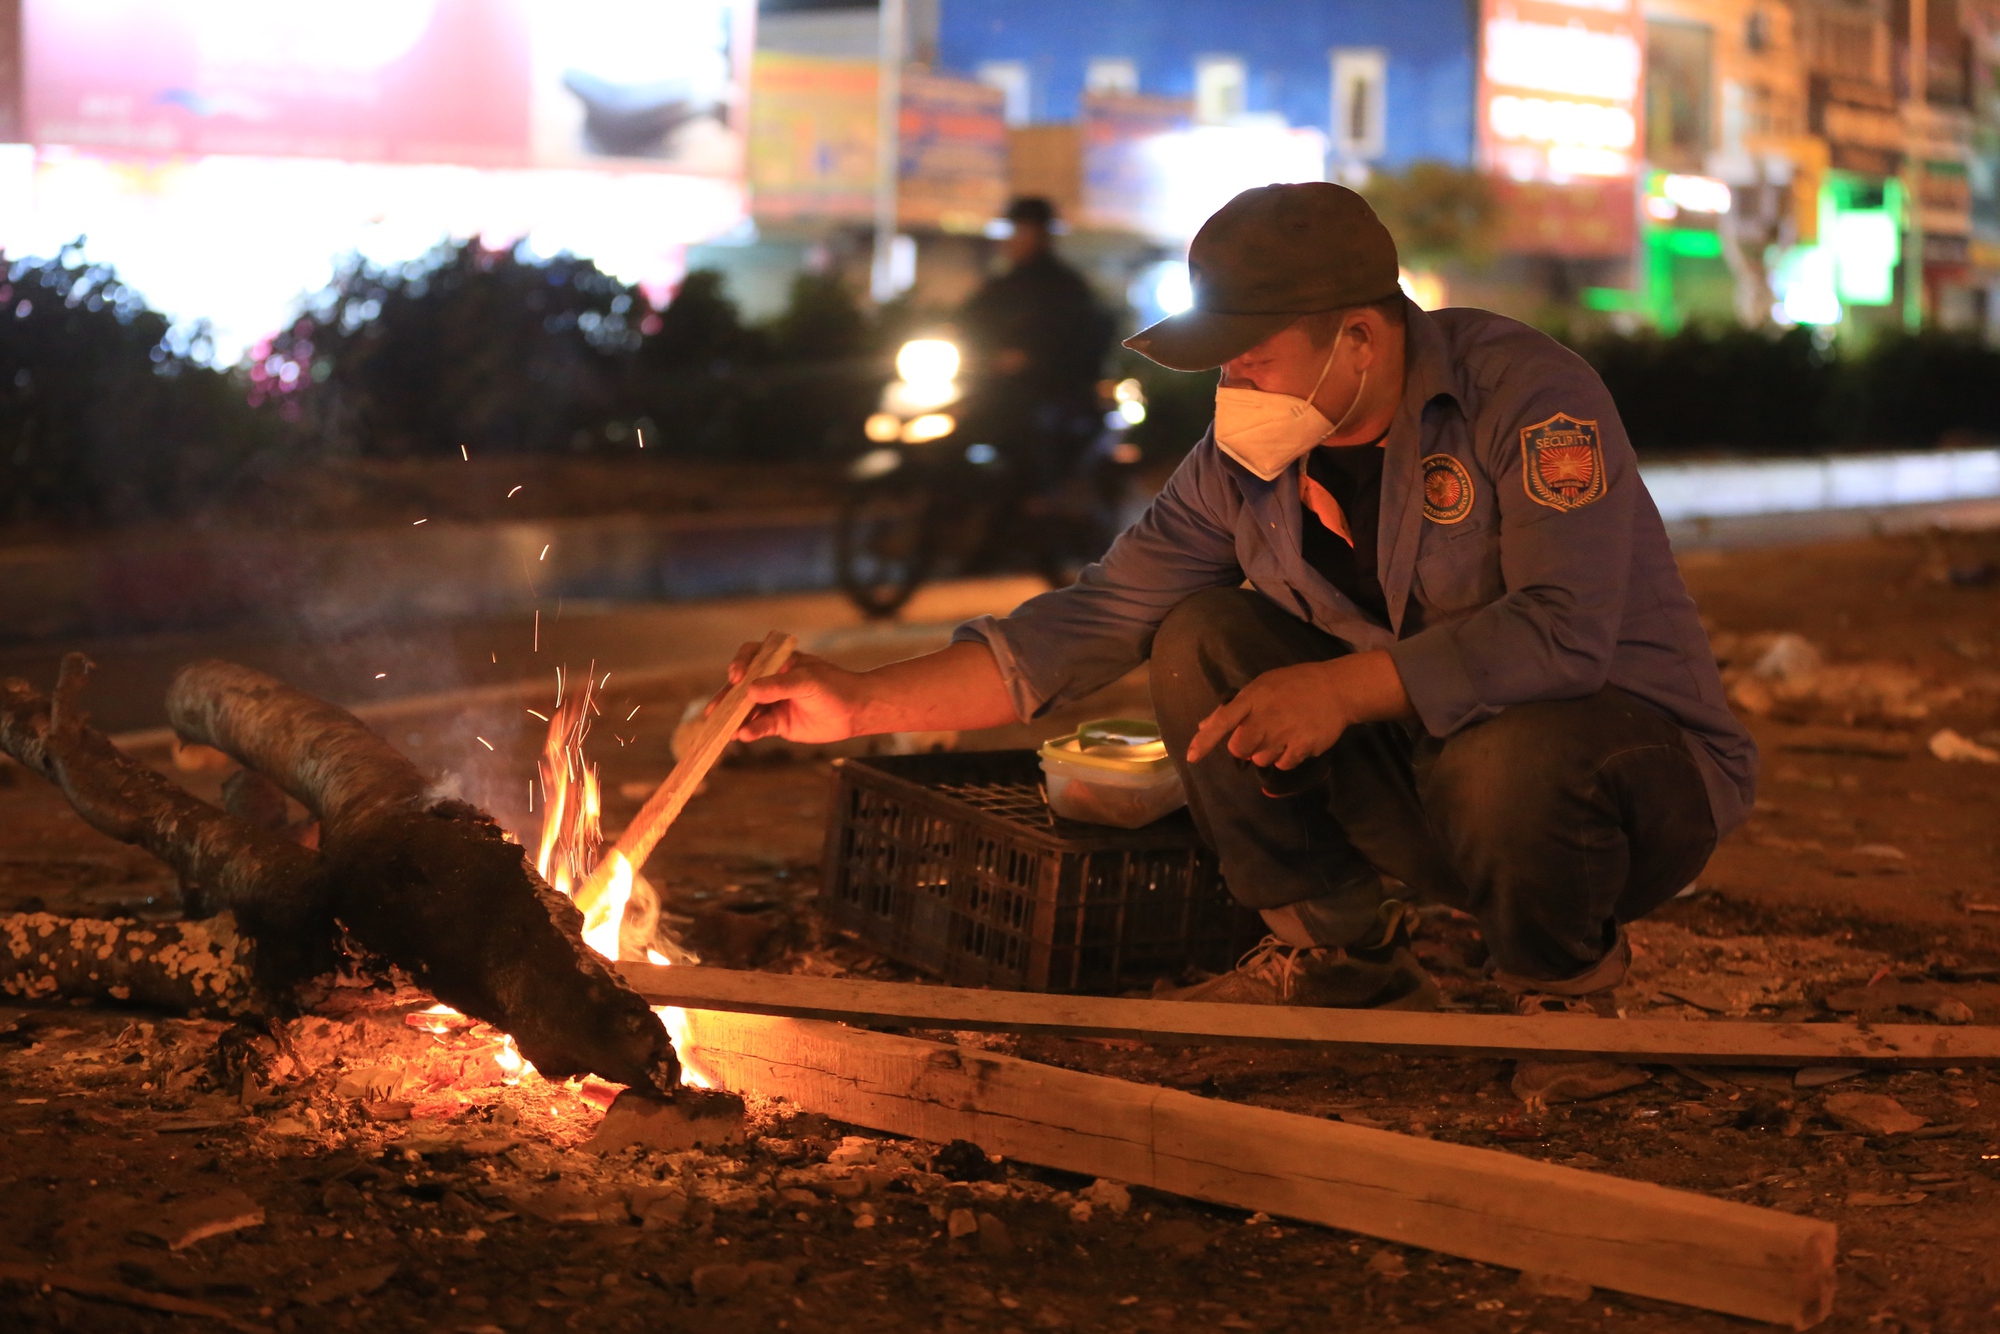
(371, 1176)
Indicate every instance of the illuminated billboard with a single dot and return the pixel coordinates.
(1559, 85)
(635, 84)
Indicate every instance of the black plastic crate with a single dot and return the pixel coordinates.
(954, 864)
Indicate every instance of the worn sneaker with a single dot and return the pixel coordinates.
(1588, 993)
(1379, 973)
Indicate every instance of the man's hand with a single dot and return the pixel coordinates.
(808, 700)
(1291, 714)
(956, 689)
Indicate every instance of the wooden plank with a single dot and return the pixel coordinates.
(705, 747)
(1478, 1203)
(1202, 1023)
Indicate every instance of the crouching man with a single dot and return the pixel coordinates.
(1415, 629)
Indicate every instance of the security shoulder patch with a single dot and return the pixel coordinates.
(1447, 489)
(1562, 462)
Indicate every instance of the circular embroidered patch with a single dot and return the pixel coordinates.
(1447, 489)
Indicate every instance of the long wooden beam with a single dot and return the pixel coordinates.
(1482, 1204)
(1200, 1023)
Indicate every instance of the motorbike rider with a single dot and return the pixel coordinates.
(1037, 340)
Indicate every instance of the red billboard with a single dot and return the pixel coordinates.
(494, 83)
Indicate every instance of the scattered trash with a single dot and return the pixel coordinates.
(1949, 745)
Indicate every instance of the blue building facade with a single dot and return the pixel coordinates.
(1281, 55)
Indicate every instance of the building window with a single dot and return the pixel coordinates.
(1218, 89)
(1360, 103)
(1111, 74)
(1011, 78)
(1679, 94)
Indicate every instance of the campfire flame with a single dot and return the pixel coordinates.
(571, 837)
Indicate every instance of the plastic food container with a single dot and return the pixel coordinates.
(1113, 772)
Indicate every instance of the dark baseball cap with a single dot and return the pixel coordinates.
(1265, 258)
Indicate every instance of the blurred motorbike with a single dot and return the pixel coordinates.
(936, 493)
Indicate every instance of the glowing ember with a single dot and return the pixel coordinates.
(436, 1019)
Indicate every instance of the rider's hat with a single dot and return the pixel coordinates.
(1265, 258)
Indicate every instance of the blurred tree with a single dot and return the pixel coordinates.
(482, 349)
(101, 419)
(1439, 214)
(824, 321)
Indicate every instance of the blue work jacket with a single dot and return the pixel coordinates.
(1520, 554)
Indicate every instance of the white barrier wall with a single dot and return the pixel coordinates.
(1732, 488)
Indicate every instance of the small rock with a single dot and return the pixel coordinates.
(1947, 744)
(847, 1188)
(1081, 1211)
(1538, 1284)
(1871, 1113)
(853, 1150)
(1864, 1199)
(962, 1160)
(1387, 1265)
(1818, 1076)
(717, 1281)
(387, 1111)
(994, 1239)
(1107, 1194)
(696, 1117)
(1948, 1010)
(1539, 1083)
(960, 1223)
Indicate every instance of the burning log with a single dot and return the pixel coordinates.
(435, 887)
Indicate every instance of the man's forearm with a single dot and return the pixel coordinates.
(956, 689)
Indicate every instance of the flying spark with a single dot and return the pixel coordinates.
(484, 742)
(641, 431)
(496, 657)
(545, 552)
(543, 716)
(511, 494)
(462, 454)
(380, 675)
(413, 525)
(635, 712)
(538, 630)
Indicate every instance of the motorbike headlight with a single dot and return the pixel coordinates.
(930, 426)
(875, 463)
(882, 427)
(924, 360)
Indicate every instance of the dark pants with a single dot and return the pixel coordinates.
(1550, 823)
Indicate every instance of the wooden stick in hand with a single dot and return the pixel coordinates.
(705, 747)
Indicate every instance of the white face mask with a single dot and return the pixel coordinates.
(1266, 432)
